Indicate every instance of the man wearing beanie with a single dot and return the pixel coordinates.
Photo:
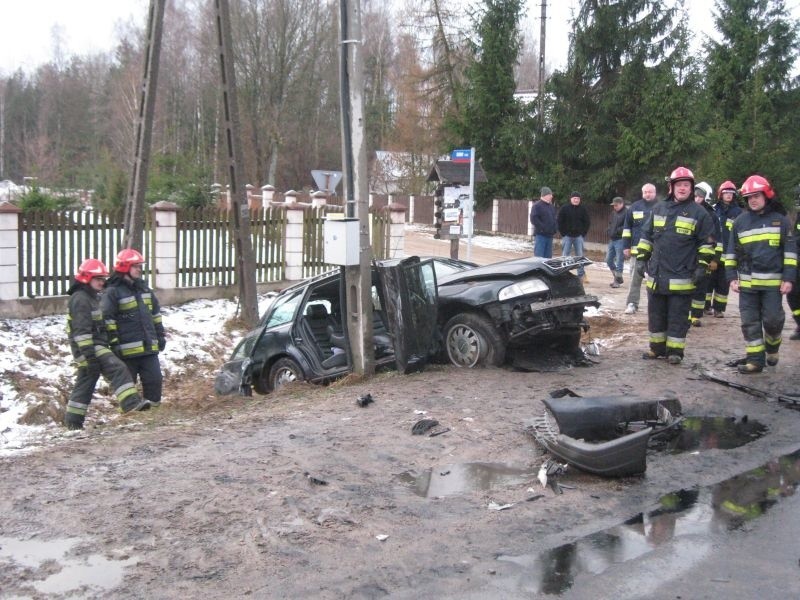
(573, 225)
(543, 219)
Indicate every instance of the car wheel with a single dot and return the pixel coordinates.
(471, 340)
(284, 371)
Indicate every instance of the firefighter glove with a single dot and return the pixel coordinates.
(699, 273)
(162, 343)
(641, 267)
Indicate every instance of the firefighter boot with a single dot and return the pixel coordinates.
(134, 403)
(749, 368)
(772, 359)
(73, 421)
(796, 334)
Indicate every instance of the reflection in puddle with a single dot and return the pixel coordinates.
(704, 433)
(71, 572)
(460, 478)
(679, 518)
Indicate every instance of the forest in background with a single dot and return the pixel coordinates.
(634, 99)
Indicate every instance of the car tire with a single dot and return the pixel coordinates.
(284, 371)
(471, 340)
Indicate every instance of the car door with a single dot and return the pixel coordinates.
(408, 289)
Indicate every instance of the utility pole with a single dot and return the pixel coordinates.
(542, 31)
(245, 261)
(358, 279)
(134, 207)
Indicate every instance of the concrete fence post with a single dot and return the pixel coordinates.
(530, 225)
(253, 199)
(9, 251)
(411, 200)
(319, 198)
(165, 219)
(397, 230)
(295, 215)
(290, 197)
(267, 194)
(495, 215)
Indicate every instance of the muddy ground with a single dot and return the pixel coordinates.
(291, 495)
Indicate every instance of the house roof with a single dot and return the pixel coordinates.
(447, 171)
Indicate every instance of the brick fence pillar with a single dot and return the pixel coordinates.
(397, 230)
(9, 251)
(165, 219)
(295, 215)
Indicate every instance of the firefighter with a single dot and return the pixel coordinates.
(793, 297)
(133, 319)
(676, 246)
(702, 294)
(88, 341)
(761, 265)
(727, 209)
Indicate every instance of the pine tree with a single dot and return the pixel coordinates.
(749, 77)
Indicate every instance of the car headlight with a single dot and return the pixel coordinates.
(523, 288)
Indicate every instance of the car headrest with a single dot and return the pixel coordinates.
(316, 311)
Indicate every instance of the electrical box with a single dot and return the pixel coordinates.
(341, 242)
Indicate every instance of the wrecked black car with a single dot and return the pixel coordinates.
(522, 303)
(302, 335)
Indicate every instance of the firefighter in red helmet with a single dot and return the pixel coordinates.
(133, 317)
(761, 265)
(675, 248)
(88, 341)
(726, 209)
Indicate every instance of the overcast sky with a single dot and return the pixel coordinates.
(88, 26)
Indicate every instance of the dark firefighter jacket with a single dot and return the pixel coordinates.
(635, 218)
(86, 331)
(726, 214)
(676, 239)
(133, 317)
(718, 231)
(762, 251)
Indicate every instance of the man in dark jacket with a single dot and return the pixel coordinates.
(636, 217)
(573, 225)
(676, 246)
(133, 318)
(615, 258)
(543, 219)
(761, 266)
(702, 293)
(88, 341)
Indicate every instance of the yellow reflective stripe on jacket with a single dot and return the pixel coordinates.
(681, 285)
(127, 303)
(659, 220)
(685, 224)
(760, 234)
(132, 348)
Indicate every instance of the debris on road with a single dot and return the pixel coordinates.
(365, 400)
(423, 426)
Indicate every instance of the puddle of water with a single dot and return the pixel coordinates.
(93, 571)
(461, 478)
(704, 433)
(680, 518)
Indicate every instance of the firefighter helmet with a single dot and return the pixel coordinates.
(704, 190)
(89, 269)
(126, 258)
(726, 186)
(680, 174)
(755, 184)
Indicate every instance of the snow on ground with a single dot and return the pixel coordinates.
(495, 242)
(36, 363)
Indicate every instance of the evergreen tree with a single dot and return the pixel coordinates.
(749, 76)
(618, 100)
(490, 117)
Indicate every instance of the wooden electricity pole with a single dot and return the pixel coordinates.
(134, 206)
(134, 209)
(542, 31)
(358, 279)
(245, 265)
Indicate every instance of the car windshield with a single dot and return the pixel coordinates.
(443, 268)
(284, 307)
